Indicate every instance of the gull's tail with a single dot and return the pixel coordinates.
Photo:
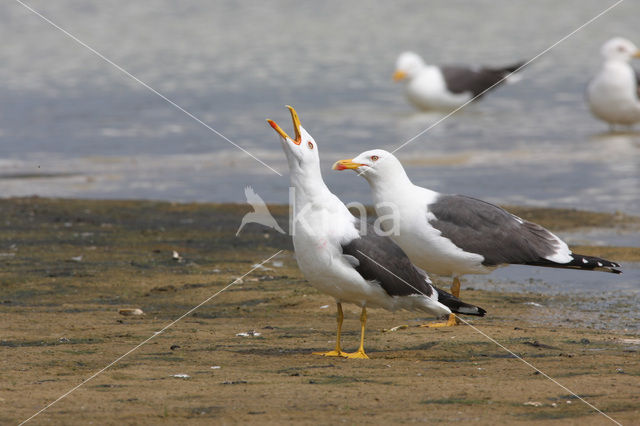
(513, 78)
(580, 261)
(456, 305)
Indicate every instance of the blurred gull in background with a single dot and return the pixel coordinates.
(447, 87)
(614, 93)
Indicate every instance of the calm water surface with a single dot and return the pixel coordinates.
(72, 125)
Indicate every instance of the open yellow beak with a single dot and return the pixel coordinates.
(296, 127)
(399, 75)
(345, 165)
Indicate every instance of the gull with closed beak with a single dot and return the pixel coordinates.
(455, 235)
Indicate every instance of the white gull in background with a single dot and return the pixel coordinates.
(447, 87)
(455, 235)
(352, 265)
(614, 93)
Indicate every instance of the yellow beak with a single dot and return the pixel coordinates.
(296, 127)
(399, 75)
(345, 165)
(637, 54)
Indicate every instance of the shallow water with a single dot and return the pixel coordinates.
(581, 298)
(72, 125)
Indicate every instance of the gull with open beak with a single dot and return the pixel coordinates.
(455, 235)
(353, 265)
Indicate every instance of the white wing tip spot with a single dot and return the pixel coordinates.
(599, 263)
(585, 261)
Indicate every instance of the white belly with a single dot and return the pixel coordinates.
(319, 256)
(320, 259)
(438, 255)
(612, 95)
(424, 244)
(428, 91)
(327, 271)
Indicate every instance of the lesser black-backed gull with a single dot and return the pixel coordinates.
(430, 87)
(613, 94)
(352, 265)
(455, 235)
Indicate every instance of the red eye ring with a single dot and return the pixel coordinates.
(374, 158)
(310, 144)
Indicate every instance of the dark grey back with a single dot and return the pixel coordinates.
(390, 266)
(460, 79)
(483, 228)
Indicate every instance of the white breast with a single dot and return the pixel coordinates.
(319, 232)
(424, 244)
(612, 94)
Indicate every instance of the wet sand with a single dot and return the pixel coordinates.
(68, 266)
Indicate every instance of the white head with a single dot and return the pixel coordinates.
(408, 65)
(619, 49)
(376, 166)
(301, 151)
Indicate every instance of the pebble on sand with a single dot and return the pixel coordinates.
(129, 312)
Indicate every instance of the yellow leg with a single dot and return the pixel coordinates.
(455, 287)
(452, 320)
(338, 350)
(360, 352)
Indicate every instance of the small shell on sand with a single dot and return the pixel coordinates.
(129, 312)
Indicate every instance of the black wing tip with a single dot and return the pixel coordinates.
(582, 262)
(466, 309)
(457, 306)
(514, 67)
(595, 264)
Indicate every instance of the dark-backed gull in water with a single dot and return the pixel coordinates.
(613, 94)
(455, 235)
(352, 265)
(447, 87)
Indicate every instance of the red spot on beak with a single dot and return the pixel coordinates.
(273, 124)
(340, 167)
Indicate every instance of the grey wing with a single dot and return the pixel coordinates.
(460, 79)
(483, 228)
(637, 82)
(380, 259)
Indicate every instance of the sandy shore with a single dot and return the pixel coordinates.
(69, 266)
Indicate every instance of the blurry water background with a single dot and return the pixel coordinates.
(72, 125)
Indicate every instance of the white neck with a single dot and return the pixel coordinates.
(617, 60)
(309, 185)
(317, 211)
(397, 188)
(390, 182)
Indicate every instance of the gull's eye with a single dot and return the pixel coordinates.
(621, 49)
(310, 145)
(374, 158)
